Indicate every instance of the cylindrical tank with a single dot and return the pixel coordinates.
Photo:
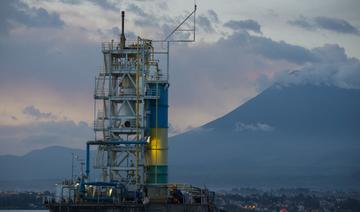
(157, 149)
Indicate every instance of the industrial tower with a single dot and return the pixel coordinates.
(131, 101)
(131, 134)
(131, 110)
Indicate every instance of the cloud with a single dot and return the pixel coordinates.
(240, 127)
(248, 24)
(105, 4)
(51, 66)
(268, 48)
(161, 4)
(302, 22)
(213, 16)
(225, 72)
(136, 10)
(21, 139)
(143, 18)
(205, 23)
(116, 31)
(17, 12)
(37, 114)
(327, 23)
(332, 68)
(71, 1)
(336, 25)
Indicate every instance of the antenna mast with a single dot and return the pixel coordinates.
(122, 36)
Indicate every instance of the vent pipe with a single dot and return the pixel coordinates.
(122, 36)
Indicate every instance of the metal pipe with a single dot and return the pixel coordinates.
(72, 166)
(168, 60)
(122, 21)
(122, 36)
(87, 159)
(114, 142)
(195, 7)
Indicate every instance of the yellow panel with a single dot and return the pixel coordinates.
(158, 138)
(156, 157)
(156, 151)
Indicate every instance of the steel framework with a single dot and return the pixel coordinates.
(126, 90)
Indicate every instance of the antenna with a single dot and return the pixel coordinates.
(178, 28)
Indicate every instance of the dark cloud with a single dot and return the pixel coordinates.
(17, 12)
(336, 25)
(249, 25)
(143, 19)
(136, 10)
(36, 113)
(268, 48)
(213, 16)
(303, 23)
(204, 23)
(333, 68)
(282, 51)
(327, 23)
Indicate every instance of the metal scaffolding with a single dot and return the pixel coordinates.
(130, 84)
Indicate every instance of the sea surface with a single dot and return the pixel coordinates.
(25, 210)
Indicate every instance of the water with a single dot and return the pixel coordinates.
(25, 210)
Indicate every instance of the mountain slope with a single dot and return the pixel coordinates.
(286, 136)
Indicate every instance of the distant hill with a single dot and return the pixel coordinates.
(48, 163)
(286, 136)
(295, 136)
(39, 169)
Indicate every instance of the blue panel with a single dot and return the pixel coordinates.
(159, 107)
(163, 91)
(162, 117)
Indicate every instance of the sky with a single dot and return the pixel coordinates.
(50, 53)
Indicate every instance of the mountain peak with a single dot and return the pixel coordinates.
(289, 133)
